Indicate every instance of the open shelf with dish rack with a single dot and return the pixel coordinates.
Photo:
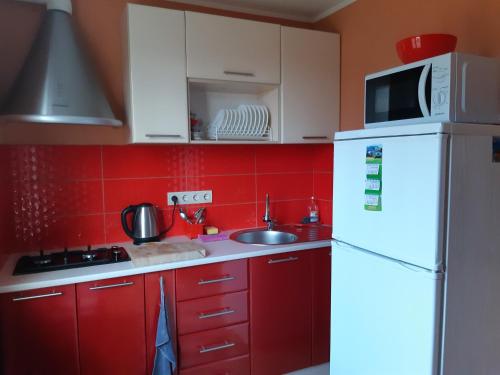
(233, 112)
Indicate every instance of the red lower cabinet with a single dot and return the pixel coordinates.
(111, 326)
(280, 313)
(213, 345)
(152, 303)
(232, 366)
(39, 332)
(321, 305)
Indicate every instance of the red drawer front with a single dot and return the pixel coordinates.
(212, 279)
(212, 312)
(233, 366)
(214, 345)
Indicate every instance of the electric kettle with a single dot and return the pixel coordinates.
(145, 223)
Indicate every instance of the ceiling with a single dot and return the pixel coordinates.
(300, 10)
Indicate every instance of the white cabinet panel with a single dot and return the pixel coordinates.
(156, 86)
(232, 49)
(310, 75)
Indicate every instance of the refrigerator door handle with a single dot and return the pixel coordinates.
(409, 266)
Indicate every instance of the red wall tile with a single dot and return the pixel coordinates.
(220, 160)
(323, 185)
(121, 193)
(284, 158)
(73, 195)
(143, 161)
(285, 186)
(226, 189)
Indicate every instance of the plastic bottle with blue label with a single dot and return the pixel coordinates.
(313, 211)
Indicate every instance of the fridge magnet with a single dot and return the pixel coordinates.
(373, 180)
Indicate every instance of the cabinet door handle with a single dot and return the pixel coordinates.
(53, 294)
(214, 281)
(127, 283)
(315, 137)
(234, 73)
(222, 312)
(289, 259)
(164, 136)
(208, 349)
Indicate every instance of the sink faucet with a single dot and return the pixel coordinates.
(267, 215)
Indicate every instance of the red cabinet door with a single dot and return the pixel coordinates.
(280, 313)
(39, 332)
(111, 326)
(152, 301)
(321, 263)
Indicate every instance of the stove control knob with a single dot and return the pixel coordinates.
(116, 254)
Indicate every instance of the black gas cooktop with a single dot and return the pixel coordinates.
(70, 259)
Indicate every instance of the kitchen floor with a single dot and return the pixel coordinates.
(323, 369)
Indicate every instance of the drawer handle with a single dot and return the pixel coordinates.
(222, 312)
(234, 73)
(53, 294)
(128, 283)
(208, 349)
(164, 136)
(214, 281)
(289, 259)
(315, 137)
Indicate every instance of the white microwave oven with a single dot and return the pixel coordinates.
(454, 87)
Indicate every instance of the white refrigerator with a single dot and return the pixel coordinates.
(416, 251)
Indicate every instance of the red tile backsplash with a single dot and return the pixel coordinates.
(55, 196)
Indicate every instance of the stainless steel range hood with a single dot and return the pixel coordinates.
(57, 83)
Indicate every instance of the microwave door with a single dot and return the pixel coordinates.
(400, 95)
(423, 95)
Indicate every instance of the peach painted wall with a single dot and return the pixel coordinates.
(370, 28)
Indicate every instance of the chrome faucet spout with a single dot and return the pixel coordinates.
(267, 215)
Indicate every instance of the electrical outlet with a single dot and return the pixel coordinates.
(190, 197)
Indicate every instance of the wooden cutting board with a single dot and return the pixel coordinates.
(156, 253)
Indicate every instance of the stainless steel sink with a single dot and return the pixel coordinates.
(263, 237)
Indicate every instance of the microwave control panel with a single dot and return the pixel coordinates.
(440, 95)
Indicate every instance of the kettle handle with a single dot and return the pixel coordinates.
(125, 226)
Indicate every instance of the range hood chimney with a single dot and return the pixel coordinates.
(57, 83)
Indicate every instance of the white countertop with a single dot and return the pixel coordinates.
(219, 251)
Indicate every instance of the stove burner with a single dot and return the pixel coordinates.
(88, 256)
(70, 259)
(42, 260)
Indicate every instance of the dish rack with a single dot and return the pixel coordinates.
(247, 122)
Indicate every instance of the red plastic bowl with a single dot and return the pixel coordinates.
(421, 47)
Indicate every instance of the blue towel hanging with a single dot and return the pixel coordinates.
(165, 361)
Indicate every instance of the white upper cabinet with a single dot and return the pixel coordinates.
(310, 75)
(223, 48)
(155, 79)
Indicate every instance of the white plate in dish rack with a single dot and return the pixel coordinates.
(245, 122)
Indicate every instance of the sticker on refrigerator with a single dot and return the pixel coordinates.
(373, 185)
(372, 169)
(373, 178)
